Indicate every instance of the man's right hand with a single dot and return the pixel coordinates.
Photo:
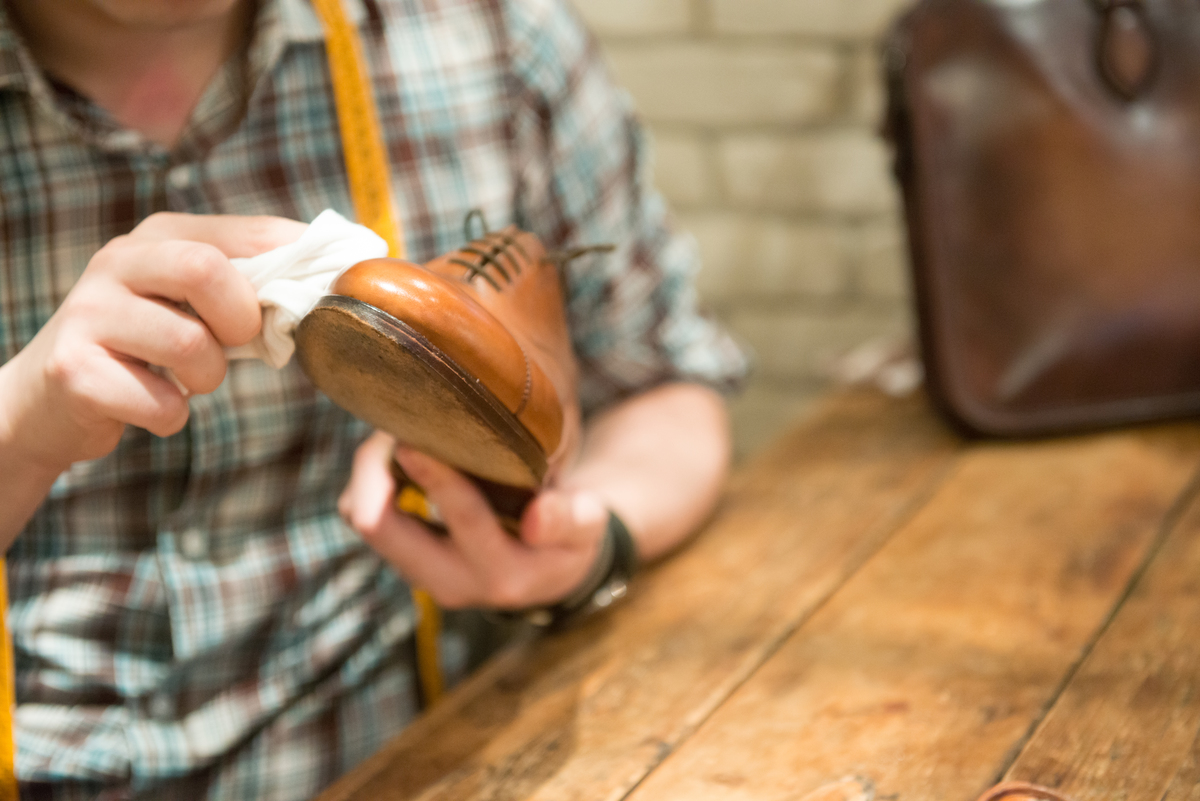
(164, 296)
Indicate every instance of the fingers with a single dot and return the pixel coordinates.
(425, 560)
(465, 512)
(108, 388)
(185, 258)
(192, 273)
(165, 295)
(371, 483)
(479, 564)
(508, 573)
(162, 335)
(143, 399)
(234, 236)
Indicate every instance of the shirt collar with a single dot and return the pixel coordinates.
(283, 23)
(12, 68)
(300, 23)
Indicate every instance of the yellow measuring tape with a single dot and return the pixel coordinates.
(8, 751)
(362, 138)
(370, 189)
(371, 192)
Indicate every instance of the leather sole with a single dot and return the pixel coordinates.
(382, 371)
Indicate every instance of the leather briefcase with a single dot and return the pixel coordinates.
(1049, 154)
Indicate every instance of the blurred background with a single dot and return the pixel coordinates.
(765, 117)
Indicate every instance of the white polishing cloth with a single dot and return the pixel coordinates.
(291, 279)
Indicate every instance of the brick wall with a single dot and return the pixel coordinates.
(764, 116)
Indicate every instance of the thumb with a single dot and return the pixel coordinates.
(564, 519)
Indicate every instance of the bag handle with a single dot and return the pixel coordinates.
(1127, 52)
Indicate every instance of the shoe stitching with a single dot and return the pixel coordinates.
(497, 250)
(528, 392)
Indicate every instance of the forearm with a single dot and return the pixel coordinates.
(24, 482)
(659, 460)
(21, 493)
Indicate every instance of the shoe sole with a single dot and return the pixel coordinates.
(382, 371)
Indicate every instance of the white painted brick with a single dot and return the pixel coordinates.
(683, 169)
(636, 17)
(747, 256)
(868, 98)
(720, 84)
(882, 261)
(747, 149)
(841, 19)
(844, 172)
(803, 343)
(763, 412)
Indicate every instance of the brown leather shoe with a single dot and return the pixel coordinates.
(1022, 791)
(466, 358)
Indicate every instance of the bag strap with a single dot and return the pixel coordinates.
(371, 191)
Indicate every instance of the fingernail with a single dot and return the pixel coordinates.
(587, 510)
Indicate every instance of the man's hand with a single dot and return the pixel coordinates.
(164, 296)
(657, 459)
(478, 564)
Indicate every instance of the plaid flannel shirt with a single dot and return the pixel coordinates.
(190, 615)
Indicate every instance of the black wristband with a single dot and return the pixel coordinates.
(607, 583)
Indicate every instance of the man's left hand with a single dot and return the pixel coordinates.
(479, 564)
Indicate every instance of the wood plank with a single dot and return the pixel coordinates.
(1186, 785)
(587, 714)
(922, 673)
(1126, 726)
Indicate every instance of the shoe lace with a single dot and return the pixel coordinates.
(494, 247)
(492, 251)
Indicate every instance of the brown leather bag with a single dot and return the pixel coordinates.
(1049, 153)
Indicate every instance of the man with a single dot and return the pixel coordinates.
(191, 615)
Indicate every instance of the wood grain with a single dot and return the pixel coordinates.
(925, 670)
(588, 714)
(1186, 784)
(1126, 727)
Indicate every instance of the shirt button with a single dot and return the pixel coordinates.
(193, 544)
(123, 140)
(180, 177)
(162, 707)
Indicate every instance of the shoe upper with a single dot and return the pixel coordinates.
(1022, 791)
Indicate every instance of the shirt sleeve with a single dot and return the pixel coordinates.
(584, 178)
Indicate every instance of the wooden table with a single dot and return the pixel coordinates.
(878, 611)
